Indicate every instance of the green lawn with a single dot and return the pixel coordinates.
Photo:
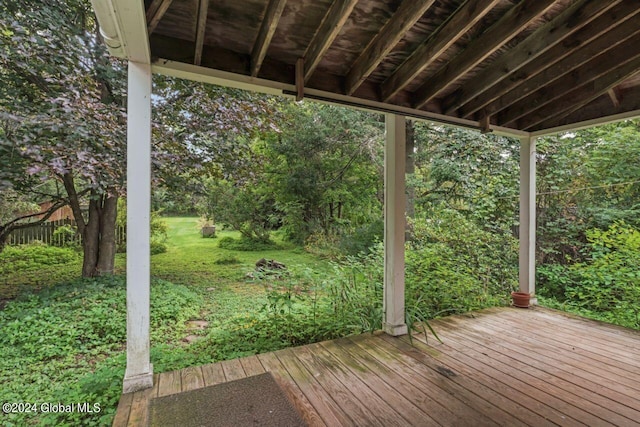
(225, 288)
(43, 359)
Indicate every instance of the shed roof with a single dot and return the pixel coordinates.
(528, 65)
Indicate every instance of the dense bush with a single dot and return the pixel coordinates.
(34, 256)
(300, 307)
(245, 244)
(363, 239)
(454, 266)
(607, 284)
(34, 266)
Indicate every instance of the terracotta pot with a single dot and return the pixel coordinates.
(521, 299)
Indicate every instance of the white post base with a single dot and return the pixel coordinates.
(395, 330)
(137, 382)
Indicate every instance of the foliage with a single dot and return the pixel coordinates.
(246, 244)
(363, 238)
(14, 204)
(227, 260)
(34, 266)
(65, 235)
(473, 173)
(325, 169)
(607, 283)
(43, 359)
(245, 207)
(456, 266)
(157, 228)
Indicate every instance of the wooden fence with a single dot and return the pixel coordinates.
(45, 232)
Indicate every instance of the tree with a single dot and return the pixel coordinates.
(62, 110)
(473, 173)
(62, 100)
(325, 169)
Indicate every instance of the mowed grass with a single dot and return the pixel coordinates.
(225, 287)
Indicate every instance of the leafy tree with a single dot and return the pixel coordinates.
(325, 169)
(63, 109)
(474, 173)
(62, 113)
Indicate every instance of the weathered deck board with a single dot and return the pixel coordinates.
(499, 366)
(596, 389)
(309, 412)
(192, 378)
(213, 374)
(233, 370)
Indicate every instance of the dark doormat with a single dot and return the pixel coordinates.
(251, 401)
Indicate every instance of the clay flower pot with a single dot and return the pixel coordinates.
(521, 299)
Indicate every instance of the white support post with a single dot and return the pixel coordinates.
(139, 372)
(394, 224)
(527, 256)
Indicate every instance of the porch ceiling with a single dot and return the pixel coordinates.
(527, 65)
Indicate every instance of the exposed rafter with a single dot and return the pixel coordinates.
(160, 10)
(611, 69)
(572, 61)
(484, 63)
(465, 17)
(602, 34)
(203, 11)
(614, 96)
(591, 114)
(152, 9)
(572, 19)
(267, 30)
(402, 20)
(329, 29)
(510, 24)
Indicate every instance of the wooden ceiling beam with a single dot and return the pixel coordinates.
(579, 88)
(203, 11)
(329, 29)
(465, 17)
(509, 25)
(629, 102)
(572, 19)
(614, 96)
(402, 20)
(160, 10)
(265, 34)
(152, 9)
(576, 59)
(602, 34)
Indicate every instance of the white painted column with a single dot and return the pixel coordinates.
(139, 373)
(527, 256)
(394, 224)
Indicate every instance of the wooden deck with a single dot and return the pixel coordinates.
(502, 366)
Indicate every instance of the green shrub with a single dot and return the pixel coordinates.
(246, 245)
(363, 239)
(454, 266)
(65, 235)
(157, 247)
(227, 260)
(34, 256)
(608, 283)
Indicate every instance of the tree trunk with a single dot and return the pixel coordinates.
(99, 237)
(98, 230)
(91, 240)
(107, 246)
